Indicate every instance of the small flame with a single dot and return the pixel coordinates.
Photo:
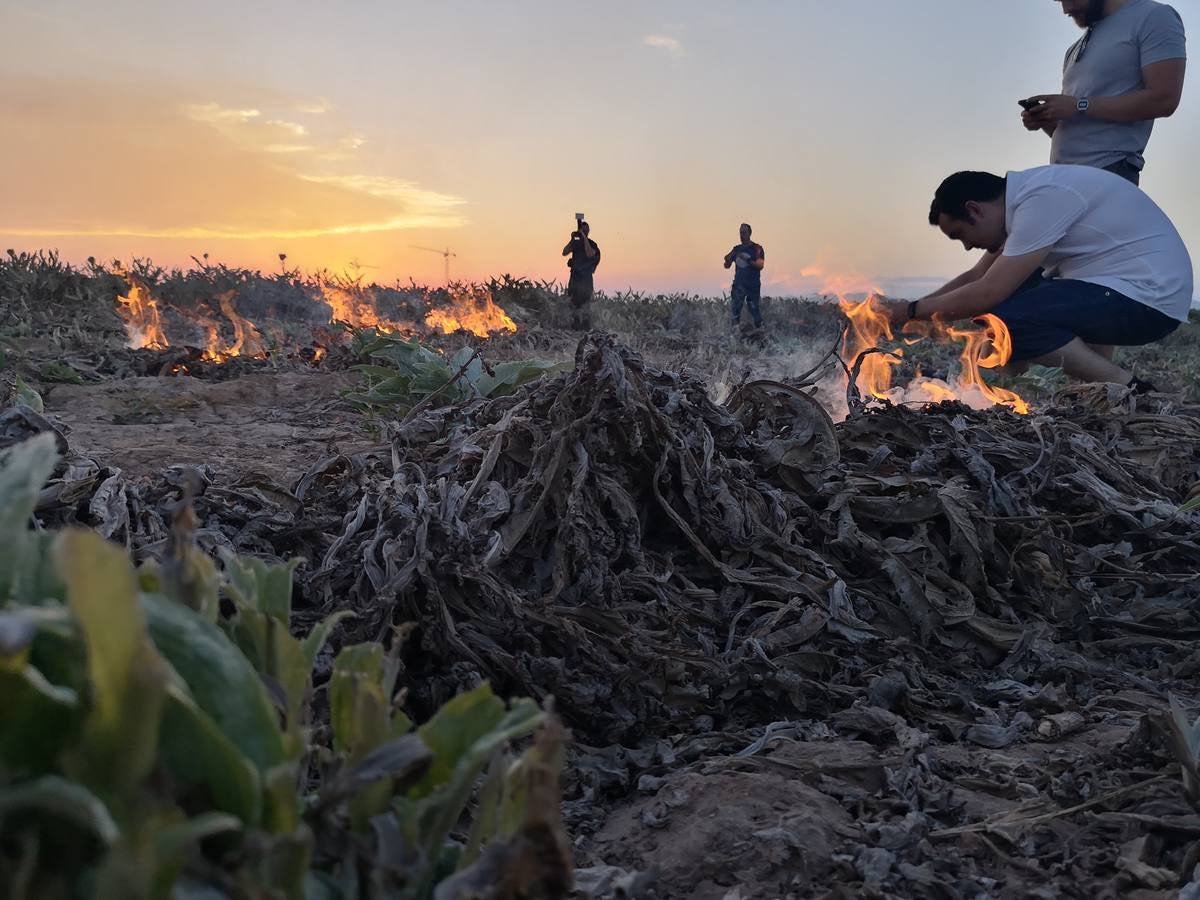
(354, 307)
(246, 339)
(869, 328)
(139, 311)
(988, 348)
(471, 310)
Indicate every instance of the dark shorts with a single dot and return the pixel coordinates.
(1126, 170)
(1047, 314)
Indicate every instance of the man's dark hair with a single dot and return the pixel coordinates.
(962, 188)
(749, 230)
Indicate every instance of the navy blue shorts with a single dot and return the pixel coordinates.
(1047, 314)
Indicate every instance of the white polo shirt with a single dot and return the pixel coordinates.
(1101, 229)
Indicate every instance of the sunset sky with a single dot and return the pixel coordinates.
(351, 132)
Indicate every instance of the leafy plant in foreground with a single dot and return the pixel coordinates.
(403, 371)
(151, 748)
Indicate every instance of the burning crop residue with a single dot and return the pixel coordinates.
(473, 310)
(219, 327)
(140, 313)
(866, 341)
(356, 306)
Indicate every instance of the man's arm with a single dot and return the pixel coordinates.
(972, 274)
(570, 246)
(1158, 99)
(589, 248)
(760, 259)
(1004, 275)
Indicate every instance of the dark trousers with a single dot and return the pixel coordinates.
(1126, 170)
(580, 288)
(748, 294)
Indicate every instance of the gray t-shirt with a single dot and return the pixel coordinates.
(1108, 62)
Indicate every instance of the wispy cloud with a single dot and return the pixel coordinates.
(233, 232)
(663, 42)
(293, 128)
(216, 114)
(317, 107)
(397, 190)
(216, 171)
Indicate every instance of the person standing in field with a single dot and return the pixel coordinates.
(748, 259)
(585, 257)
(1126, 71)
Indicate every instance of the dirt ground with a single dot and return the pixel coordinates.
(274, 424)
(848, 808)
(839, 817)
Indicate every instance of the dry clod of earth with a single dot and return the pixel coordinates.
(917, 653)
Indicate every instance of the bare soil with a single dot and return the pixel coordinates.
(848, 808)
(274, 424)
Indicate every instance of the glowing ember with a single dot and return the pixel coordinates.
(139, 311)
(473, 311)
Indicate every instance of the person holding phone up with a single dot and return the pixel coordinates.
(1126, 71)
(585, 257)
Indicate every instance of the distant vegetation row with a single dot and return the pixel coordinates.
(43, 283)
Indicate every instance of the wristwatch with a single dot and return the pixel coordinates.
(1082, 105)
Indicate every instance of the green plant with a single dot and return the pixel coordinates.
(60, 372)
(150, 745)
(403, 372)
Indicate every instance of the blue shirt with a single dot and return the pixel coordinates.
(746, 275)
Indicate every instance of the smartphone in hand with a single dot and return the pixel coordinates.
(1029, 104)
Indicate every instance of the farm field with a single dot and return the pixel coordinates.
(805, 644)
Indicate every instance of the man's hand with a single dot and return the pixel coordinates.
(1051, 109)
(895, 310)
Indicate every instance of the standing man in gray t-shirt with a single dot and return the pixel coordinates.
(1125, 72)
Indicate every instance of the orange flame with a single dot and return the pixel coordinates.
(989, 348)
(246, 338)
(471, 310)
(354, 307)
(139, 311)
(869, 327)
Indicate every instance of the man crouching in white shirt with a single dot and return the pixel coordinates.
(1076, 260)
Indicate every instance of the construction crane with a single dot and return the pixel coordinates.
(444, 254)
